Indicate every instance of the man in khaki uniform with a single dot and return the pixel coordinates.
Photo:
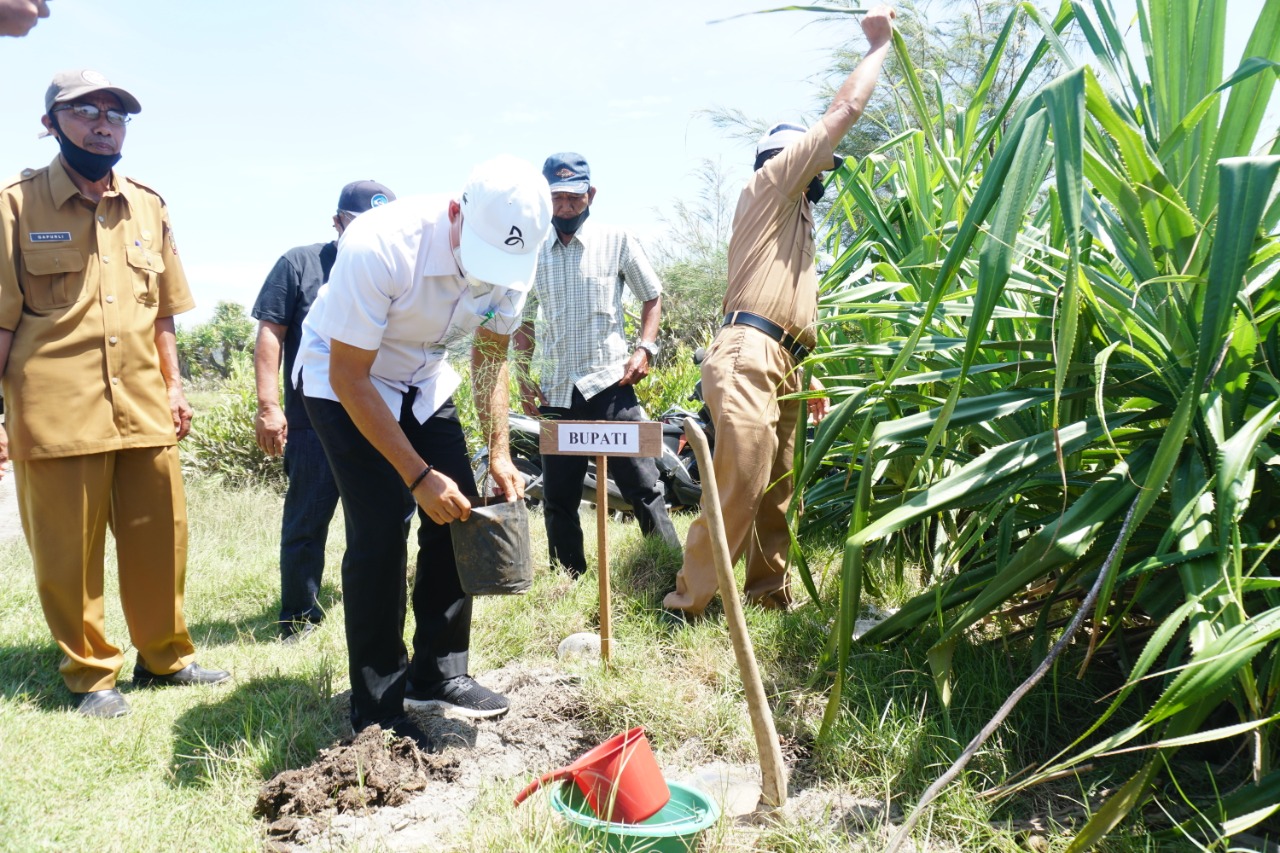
(770, 308)
(89, 284)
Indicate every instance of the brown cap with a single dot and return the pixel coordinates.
(70, 85)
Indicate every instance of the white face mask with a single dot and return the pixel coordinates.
(478, 287)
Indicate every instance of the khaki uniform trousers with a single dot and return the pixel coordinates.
(743, 375)
(66, 505)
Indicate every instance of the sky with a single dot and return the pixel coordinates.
(255, 114)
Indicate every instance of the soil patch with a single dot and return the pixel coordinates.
(365, 789)
(370, 770)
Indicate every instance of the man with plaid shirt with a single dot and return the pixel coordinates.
(589, 371)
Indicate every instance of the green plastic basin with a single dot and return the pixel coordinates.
(674, 829)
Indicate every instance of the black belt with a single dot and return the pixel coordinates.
(770, 328)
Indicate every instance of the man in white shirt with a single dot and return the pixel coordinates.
(412, 277)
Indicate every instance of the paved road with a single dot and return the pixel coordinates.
(10, 526)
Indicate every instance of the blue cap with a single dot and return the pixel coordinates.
(363, 196)
(567, 173)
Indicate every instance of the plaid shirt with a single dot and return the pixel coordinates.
(581, 340)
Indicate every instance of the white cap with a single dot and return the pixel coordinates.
(506, 214)
(779, 135)
(784, 133)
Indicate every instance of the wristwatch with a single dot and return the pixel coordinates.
(650, 347)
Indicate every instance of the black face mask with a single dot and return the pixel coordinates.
(573, 223)
(815, 190)
(92, 166)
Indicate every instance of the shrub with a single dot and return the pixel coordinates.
(222, 442)
(208, 350)
(671, 382)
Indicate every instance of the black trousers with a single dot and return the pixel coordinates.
(378, 509)
(637, 479)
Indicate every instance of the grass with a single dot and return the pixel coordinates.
(183, 770)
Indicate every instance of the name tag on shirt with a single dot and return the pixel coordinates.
(50, 236)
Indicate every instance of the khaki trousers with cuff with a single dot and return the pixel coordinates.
(66, 505)
(743, 375)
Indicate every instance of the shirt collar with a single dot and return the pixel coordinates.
(62, 188)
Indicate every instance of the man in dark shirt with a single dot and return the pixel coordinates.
(312, 495)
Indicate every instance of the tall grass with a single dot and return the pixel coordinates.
(1052, 336)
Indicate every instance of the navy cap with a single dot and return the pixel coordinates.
(567, 172)
(362, 196)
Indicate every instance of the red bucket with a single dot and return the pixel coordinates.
(620, 779)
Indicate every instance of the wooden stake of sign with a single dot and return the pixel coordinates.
(602, 439)
(602, 557)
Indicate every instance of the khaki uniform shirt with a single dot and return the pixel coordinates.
(771, 269)
(81, 287)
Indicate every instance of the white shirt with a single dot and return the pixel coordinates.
(396, 288)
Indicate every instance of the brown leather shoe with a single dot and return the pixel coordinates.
(101, 703)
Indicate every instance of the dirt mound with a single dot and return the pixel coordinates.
(368, 771)
(410, 800)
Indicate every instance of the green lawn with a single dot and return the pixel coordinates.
(182, 771)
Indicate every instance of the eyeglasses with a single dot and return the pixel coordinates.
(89, 112)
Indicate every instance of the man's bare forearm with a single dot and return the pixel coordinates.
(266, 363)
(851, 100)
(650, 315)
(492, 391)
(166, 338)
(349, 377)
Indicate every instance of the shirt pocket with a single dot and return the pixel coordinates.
(600, 295)
(55, 278)
(146, 267)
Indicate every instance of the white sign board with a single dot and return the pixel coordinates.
(619, 439)
(601, 438)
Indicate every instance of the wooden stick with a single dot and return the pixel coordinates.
(773, 773)
(602, 555)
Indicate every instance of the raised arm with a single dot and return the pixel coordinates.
(850, 102)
